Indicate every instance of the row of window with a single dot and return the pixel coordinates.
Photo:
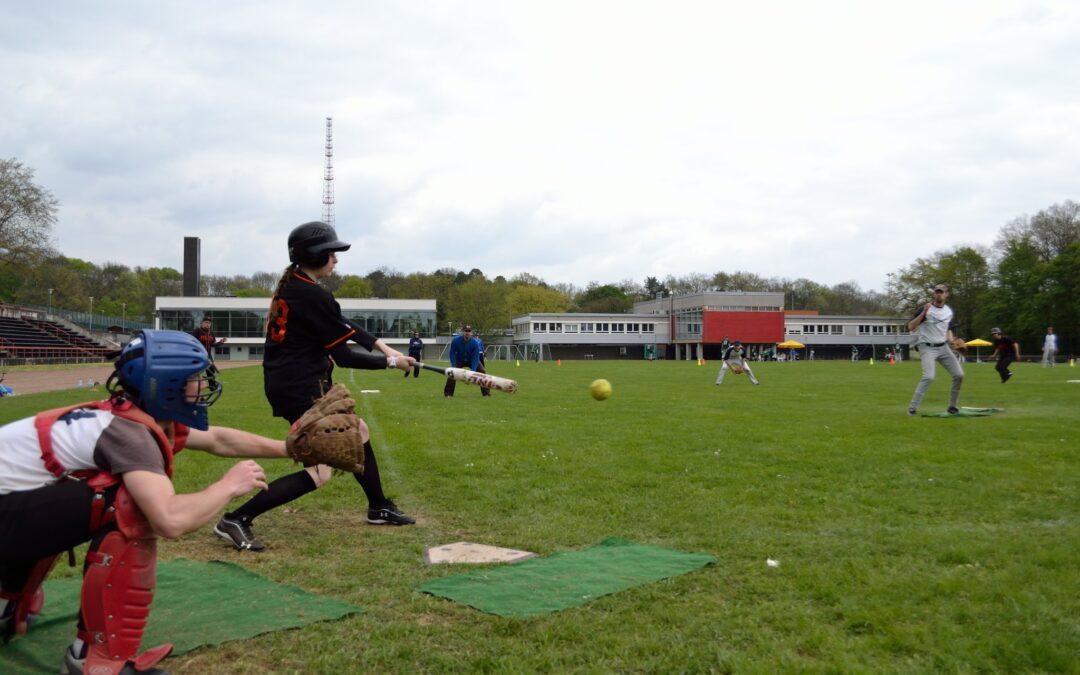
(740, 308)
(584, 327)
(838, 329)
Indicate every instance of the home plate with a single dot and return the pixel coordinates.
(467, 552)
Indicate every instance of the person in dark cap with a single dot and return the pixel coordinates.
(465, 353)
(1006, 350)
(306, 339)
(416, 351)
(205, 335)
(933, 326)
(734, 358)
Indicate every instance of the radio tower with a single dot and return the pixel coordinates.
(328, 176)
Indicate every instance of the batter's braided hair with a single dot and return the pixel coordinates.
(275, 307)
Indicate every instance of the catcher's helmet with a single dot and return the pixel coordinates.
(153, 371)
(312, 243)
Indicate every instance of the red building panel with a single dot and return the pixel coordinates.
(749, 327)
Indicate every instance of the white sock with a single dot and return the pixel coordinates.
(78, 649)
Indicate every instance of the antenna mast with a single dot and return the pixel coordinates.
(328, 176)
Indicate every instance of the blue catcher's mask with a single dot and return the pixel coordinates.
(154, 370)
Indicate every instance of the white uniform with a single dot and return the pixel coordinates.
(1049, 349)
(933, 346)
(734, 357)
(84, 438)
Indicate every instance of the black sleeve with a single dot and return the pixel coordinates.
(347, 357)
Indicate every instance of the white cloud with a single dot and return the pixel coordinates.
(577, 141)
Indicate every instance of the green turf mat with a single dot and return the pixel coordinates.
(562, 580)
(966, 412)
(196, 604)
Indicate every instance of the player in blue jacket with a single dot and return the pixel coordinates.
(465, 352)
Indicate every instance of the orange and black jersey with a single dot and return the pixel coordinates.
(306, 327)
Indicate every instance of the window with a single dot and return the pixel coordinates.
(587, 327)
(540, 327)
(570, 327)
(648, 327)
(602, 328)
(618, 328)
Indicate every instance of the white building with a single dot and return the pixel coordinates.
(242, 321)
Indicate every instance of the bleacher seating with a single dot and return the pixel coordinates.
(38, 339)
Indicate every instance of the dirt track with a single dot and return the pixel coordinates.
(35, 381)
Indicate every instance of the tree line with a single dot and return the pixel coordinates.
(1028, 280)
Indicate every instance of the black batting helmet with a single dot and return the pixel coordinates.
(312, 243)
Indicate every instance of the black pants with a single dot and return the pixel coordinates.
(1003, 366)
(39, 523)
(451, 383)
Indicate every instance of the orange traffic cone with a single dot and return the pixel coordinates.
(558, 362)
(892, 360)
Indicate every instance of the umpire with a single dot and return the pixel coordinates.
(465, 352)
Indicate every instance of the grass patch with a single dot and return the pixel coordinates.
(905, 544)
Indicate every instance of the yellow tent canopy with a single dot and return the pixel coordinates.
(791, 344)
(979, 342)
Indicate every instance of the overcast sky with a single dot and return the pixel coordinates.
(577, 141)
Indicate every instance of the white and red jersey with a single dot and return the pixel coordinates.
(84, 438)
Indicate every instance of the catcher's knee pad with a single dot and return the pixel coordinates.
(118, 586)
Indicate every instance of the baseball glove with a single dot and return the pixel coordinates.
(959, 345)
(738, 370)
(329, 433)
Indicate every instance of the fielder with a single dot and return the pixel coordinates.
(100, 472)
(1049, 348)
(736, 362)
(935, 341)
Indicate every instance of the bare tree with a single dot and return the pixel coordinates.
(27, 214)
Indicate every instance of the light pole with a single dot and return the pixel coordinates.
(123, 316)
(50, 301)
(91, 313)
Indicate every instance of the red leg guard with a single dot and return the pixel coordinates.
(117, 590)
(31, 598)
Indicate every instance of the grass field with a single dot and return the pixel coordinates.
(906, 545)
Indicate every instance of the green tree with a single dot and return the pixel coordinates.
(606, 299)
(967, 274)
(525, 299)
(480, 303)
(355, 287)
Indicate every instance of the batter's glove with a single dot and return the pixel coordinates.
(959, 345)
(329, 433)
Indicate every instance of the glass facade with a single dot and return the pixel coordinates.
(251, 324)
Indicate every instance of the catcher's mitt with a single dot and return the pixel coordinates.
(959, 345)
(329, 433)
(738, 370)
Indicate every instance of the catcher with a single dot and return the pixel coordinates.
(735, 361)
(306, 337)
(101, 472)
